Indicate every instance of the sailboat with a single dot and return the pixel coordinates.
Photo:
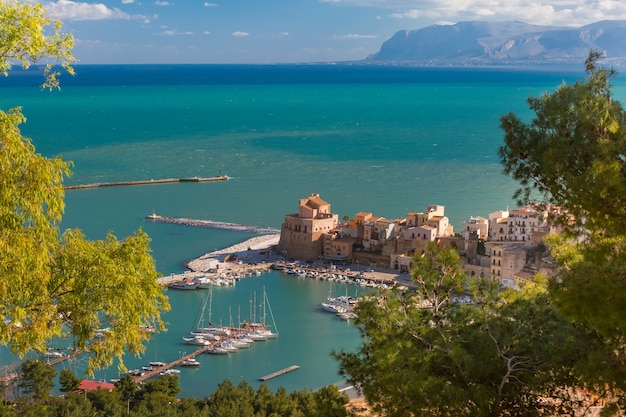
(339, 304)
(259, 330)
(200, 333)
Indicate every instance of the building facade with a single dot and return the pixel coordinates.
(303, 233)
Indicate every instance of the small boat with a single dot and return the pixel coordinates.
(228, 345)
(183, 285)
(206, 335)
(170, 372)
(54, 354)
(157, 363)
(241, 343)
(332, 308)
(190, 362)
(196, 341)
(347, 315)
(343, 301)
(216, 350)
(203, 282)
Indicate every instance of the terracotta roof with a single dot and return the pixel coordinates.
(88, 385)
(315, 201)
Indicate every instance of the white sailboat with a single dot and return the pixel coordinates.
(259, 330)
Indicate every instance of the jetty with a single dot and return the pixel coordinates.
(157, 370)
(262, 230)
(7, 379)
(279, 372)
(147, 182)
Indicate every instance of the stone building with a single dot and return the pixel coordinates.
(506, 260)
(302, 235)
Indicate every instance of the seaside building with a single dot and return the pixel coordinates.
(303, 234)
(498, 226)
(521, 224)
(476, 228)
(506, 261)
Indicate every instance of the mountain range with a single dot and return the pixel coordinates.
(477, 42)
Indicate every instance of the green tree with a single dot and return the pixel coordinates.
(53, 284)
(127, 387)
(29, 37)
(37, 379)
(232, 401)
(572, 154)
(167, 385)
(71, 405)
(506, 354)
(329, 402)
(68, 380)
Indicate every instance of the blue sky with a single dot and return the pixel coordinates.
(283, 31)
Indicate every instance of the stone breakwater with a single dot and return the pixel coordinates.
(254, 249)
(214, 225)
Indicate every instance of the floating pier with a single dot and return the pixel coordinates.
(279, 373)
(147, 182)
(158, 369)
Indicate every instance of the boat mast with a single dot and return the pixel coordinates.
(270, 309)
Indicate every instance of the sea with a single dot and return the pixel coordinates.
(382, 139)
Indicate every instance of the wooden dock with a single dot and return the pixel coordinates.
(279, 373)
(147, 182)
(158, 369)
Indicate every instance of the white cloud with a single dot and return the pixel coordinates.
(556, 12)
(240, 34)
(407, 14)
(72, 10)
(355, 36)
(162, 3)
(174, 32)
(127, 1)
(207, 4)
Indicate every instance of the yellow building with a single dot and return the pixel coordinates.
(302, 233)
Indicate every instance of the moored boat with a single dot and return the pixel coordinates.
(333, 308)
(183, 285)
(217, 350)
(190, 362)
(196, 341)
(170, 372)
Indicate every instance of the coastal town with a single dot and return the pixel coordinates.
(505, 246)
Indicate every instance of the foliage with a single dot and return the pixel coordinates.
(37, 379)
(52, 285)
(29, 37)
(126, 387)
(573, 155)
(68, 380)
(157, 400)
(423, 354)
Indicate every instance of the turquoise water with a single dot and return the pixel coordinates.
(384, 140)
